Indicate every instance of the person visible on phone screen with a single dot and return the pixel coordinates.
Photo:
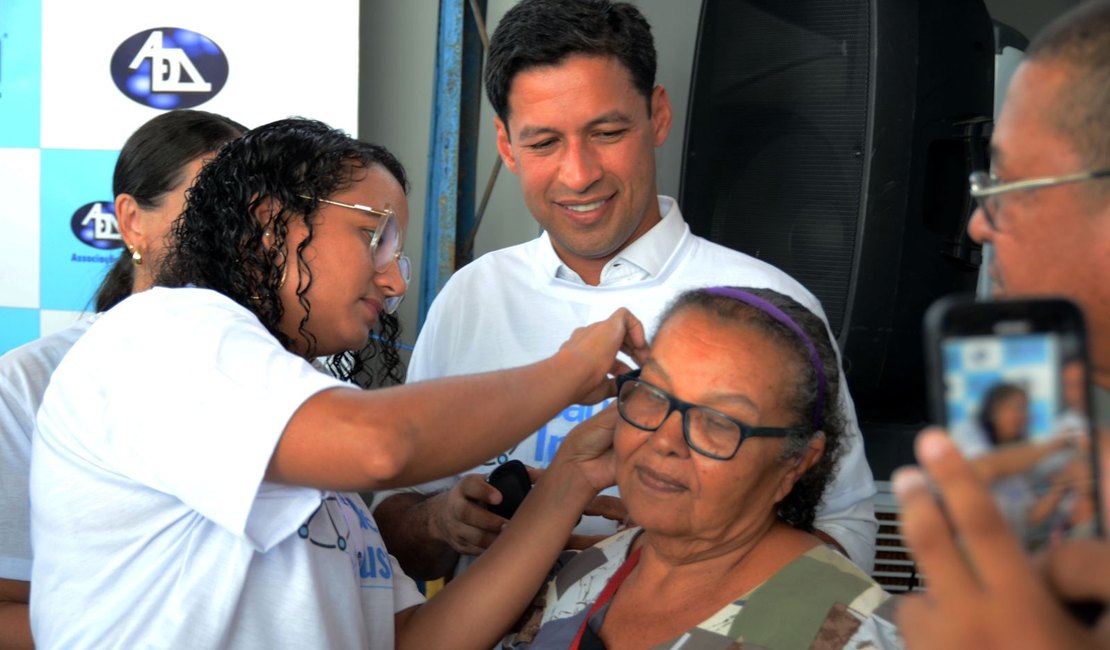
(1051, 238)
(1034, 481)
(1002, 419)
(1072, 418)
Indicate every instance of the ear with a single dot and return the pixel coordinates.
(805, 460)
(265, 210)
(504, 146)
(129, 223)
(661, 114)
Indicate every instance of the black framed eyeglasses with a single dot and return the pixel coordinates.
(986, 188)
(705, 430)
(386, 244)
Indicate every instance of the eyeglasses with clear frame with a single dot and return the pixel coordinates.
(706, 430)
(986, 188)
(385, 245)
(393, 302)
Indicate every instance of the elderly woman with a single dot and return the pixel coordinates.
(726, 439)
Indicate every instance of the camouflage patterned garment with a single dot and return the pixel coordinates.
(820, 601)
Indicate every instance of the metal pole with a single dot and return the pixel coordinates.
(453, 148)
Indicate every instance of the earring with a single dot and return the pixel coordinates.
(281, 283)
(266, 234)
(136, 257)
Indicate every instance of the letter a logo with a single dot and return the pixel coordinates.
(169, 67)
(167, 64)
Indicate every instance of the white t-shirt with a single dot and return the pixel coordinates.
(24, 375)
(519, 304)
(151, 522)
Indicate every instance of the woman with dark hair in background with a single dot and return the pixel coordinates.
(194, 475)
(156, 165)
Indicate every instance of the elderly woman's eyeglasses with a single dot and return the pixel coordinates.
(986, 188)
(707, 431)
(385, 245)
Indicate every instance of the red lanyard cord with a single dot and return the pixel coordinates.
(607, 594)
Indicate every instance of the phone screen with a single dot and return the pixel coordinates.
(1017, 407)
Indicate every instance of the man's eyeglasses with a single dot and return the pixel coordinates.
(705, 430)
(385, 245)
(986, 188)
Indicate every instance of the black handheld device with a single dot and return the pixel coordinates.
(1010, 380)
(512, 481)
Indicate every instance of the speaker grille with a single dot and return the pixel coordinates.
(781, 94)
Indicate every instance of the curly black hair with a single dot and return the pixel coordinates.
(219, 239)
(377, 364)
(799, 507)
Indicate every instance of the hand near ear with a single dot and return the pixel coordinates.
(588, 450)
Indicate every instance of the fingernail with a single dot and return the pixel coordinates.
(907, 480)
(933, 446)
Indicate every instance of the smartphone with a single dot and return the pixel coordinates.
(512, 481)
(1010, 380)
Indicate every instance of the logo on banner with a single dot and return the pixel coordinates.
(169, 67)
(95, 225)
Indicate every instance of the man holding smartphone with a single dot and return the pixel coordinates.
(1046, 210)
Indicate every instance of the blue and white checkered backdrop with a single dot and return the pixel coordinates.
(77, 78)
(974, 364)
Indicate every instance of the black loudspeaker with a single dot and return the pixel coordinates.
(833, 139)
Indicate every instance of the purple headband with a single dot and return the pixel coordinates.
(779, 315)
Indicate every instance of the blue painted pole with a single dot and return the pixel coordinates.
(469, 135)
(452, 150)
(443, 154)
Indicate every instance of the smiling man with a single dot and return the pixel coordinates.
(579, 117)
